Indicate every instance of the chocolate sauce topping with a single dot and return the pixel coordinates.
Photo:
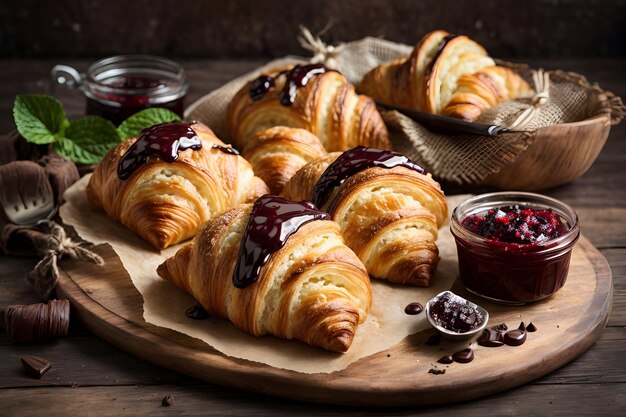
(296, 77)
(353, 161)
(164, 140)
(272, 221)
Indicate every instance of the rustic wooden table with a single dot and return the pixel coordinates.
(91, 377)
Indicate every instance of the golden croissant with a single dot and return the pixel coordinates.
(171, 179)
(445, 74)
(309, 97)
(389, 211)
(301, 282)
(278, 152)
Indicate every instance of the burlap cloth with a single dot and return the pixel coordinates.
(462, 159)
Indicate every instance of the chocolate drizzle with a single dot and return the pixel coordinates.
(296, 77)
(272, 220)
(37, 322)
(353, 161)
(164, 140)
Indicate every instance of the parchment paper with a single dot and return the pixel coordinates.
(165, 304)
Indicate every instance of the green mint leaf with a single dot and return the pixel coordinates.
(39, 119)
(87, 140)
(132, 127)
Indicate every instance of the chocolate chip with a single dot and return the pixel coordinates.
(446, 359)
(413, 308)
(463, 356)
(490, 338)
(531, 327)
(522, 326)
(35, 366)
(168, 400)
(515, 337)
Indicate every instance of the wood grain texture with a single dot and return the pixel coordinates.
(110, 306)
(559, 154)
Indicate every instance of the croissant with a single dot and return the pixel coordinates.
(388, 210)
(278, 152)
(171, 179)
(445, 74)
(309, 97)
(311, 287)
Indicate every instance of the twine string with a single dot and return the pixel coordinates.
(322, 53)
(43, 278)
(541, 80)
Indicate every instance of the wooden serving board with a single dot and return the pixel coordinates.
(568, 324)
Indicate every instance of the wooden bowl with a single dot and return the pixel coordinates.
(559, 154)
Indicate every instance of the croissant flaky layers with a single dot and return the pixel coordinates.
(445, 74)
(389, 217)
(311, 98)
(165, 202)
(313, 289)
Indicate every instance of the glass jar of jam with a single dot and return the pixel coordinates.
(119, 86)
(514, 247)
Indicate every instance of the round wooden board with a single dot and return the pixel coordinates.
(568, 324)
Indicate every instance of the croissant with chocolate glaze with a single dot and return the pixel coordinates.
(312, 288)
(445, 74)
(389, 212)
(165, 202)
(278, 152)
(309, 97)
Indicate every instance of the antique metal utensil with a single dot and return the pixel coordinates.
(446, 125)
(26, 195)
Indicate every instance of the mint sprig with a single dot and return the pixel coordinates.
(132, 127)
(40, 119)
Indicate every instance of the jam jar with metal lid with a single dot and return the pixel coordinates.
(119, 86)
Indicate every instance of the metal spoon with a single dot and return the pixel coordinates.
(22, 203)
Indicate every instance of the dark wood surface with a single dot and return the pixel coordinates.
(91, 377)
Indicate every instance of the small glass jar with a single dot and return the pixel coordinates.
(119, 86)
(515, 273)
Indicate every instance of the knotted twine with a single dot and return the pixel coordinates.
(43, 278)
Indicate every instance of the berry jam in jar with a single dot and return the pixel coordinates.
(514, 247)
(119, 86)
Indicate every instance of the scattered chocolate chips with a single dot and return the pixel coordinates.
(413, 308)
(197, 312)
(531, 327)
(447, 359)
(500, 327)
(35, 366)
(515, 337)
(463, 356)
(491, 338)
(522, 326)
(168, 400)
(436, 371)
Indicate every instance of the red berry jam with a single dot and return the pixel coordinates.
(514, 247)
(516, 224)
(117, 87)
